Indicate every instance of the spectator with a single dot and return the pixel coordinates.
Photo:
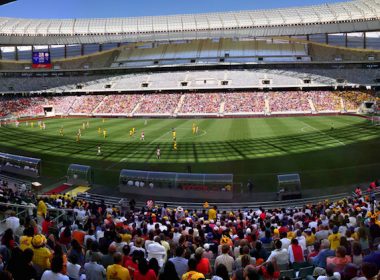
(76, 250)
(225, 259)
(340, 260)
(153, 264)
(157, 251)
(239, 273)
(180, 263)
(109, 258)
(26, 238)
(369, 271)
(41, 254)
(373, 257)
(12, 222)
(295, 252)
(325, 252)
(73, 268)
(280, 255)
(169, 272)
(116, 270)
(203, 264)
(192, 274)
(8, 240)
(334, 238)
(357, 254)
(55, 272)
(221, 273)
(93, 270)
(144, 272)
(58, 252)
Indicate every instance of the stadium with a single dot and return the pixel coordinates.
(238, 145)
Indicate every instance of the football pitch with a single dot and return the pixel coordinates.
(324, 150)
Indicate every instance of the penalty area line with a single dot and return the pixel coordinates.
(324, 133)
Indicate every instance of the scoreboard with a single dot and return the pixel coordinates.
(41, 60)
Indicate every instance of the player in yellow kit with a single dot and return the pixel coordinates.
(78, 138)
(175, 145)
(99, 131)
(104, 133)
(193, 128)
(61, 132)
(174, 134)
(130, 133)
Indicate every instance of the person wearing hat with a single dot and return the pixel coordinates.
(41, 256)
(334, 239)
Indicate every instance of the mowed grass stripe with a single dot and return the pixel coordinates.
(257, 148)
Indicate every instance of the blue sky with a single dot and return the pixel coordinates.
(128, 8)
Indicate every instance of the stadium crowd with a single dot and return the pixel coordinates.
(244, 102)
(201, 103)
(159, 103)
(328, 240)
(353, 100)
(86, 104)
(167, 103)
(118, 104)
(288, 101)
(326, 101)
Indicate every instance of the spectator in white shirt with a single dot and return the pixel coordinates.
(279, 254)
(73, 268)
(55, 272)
(12, 222)
(284, 240)
(157, 251)
(301, 240)
(225, 259)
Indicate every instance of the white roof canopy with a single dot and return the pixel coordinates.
(357, 15)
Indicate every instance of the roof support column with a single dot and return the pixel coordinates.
(16, 53)
(100, 47)
(345, 39)
(364, 40)
(82, 49)
(1, 54)
(65, 51)
(327, 38)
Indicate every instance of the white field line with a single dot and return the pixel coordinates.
(316, 129)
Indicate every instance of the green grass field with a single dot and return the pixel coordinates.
(249, 148)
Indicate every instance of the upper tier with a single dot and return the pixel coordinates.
(357, 15)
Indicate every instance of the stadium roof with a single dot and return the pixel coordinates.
(357, 15)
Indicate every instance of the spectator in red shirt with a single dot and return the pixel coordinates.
(144, 272)
(46, 224)
(203, 264)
